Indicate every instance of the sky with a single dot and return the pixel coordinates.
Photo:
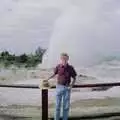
(27, 24)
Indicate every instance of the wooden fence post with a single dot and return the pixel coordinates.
(44, 104)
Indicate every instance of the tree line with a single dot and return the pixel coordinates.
(24, 60)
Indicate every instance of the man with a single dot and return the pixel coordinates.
(64, 73)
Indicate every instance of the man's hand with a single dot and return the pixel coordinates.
(46, 80)
(70, 87)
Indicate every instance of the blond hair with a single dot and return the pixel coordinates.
(65, 54)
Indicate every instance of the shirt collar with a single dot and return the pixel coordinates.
(64, 65)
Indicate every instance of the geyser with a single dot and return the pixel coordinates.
(85, 30)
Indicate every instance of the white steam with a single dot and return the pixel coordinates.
(85, 30)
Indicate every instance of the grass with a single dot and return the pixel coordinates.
(2, 78)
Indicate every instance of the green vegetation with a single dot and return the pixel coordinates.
(23, 60)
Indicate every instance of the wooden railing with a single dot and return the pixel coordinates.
(45, 92)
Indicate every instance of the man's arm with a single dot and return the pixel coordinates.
(51, 77)
(74, 74)
(73, 82)
(55, 73)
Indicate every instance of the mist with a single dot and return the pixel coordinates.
(86, 30)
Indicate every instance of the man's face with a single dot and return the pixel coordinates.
(64, 60)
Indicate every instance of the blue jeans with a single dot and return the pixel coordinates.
(62, 93)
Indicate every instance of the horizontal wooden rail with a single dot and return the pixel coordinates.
(94, 117)
(20, 86)
(75, 86)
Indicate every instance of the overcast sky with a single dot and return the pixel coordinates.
(27, 24)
